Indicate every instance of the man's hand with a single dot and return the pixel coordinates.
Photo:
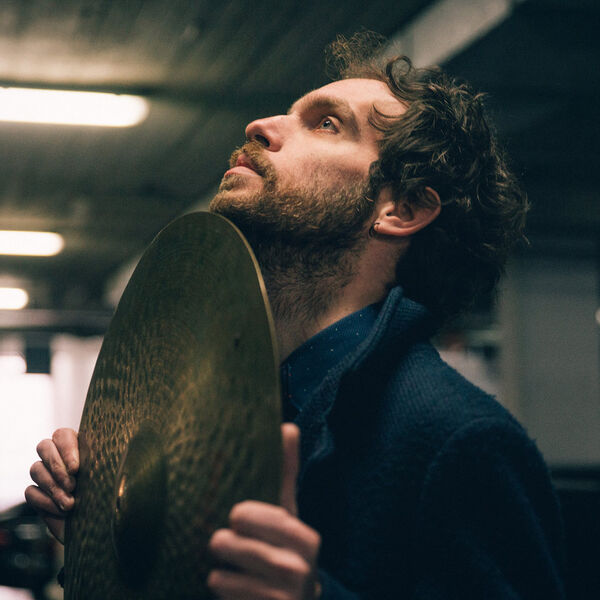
(272, 552)
(55, 478)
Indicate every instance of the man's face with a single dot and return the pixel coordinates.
(304, 174)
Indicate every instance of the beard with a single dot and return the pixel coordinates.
(307, 236)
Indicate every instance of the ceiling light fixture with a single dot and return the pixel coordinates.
(28, 105)
(13, 298)
(30, 243)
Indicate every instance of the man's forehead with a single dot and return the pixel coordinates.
(358, 94)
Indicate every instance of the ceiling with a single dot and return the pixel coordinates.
(209, 68)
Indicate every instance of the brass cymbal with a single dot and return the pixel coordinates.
(181, 421)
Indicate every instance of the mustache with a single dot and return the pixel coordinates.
(256, 154)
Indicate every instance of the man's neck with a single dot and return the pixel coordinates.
(304, 306)
(291, 334)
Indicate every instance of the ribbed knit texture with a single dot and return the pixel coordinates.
(421, 485)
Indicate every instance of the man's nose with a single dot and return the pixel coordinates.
(267, 132)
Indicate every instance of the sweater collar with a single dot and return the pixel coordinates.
(400, 323)
(304, 370)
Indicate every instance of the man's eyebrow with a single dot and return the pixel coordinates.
(328, 103)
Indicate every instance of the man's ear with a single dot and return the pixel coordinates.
(401, 219)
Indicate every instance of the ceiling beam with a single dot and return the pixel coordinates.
(82, 322)
(446, 28)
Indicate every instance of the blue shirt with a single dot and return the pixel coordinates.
(306, 367)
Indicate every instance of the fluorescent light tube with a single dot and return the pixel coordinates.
(28, 105)
(30, 243)
(13, 298)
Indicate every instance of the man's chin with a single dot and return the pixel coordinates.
(232, 199)
(235, 181)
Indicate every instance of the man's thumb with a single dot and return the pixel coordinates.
(290, 435)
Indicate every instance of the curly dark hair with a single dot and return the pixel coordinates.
(444, 140)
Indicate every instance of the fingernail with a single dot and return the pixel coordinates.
(65, 503)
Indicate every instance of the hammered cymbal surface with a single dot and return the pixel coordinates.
(190, 356)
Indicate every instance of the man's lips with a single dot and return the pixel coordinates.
(244, 161)
(243, 165)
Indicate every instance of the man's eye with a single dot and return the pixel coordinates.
(327, 123)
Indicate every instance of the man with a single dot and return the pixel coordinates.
(378, 207)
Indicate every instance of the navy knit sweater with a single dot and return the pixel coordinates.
(421, 485)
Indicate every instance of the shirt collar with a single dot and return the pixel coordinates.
(306, 367)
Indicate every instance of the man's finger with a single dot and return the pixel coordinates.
(48, 510)
(279, 566)
(67, 445)
(49, 486)
(41, 501)
(291, 463)
(274, 525)
(55, 465)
